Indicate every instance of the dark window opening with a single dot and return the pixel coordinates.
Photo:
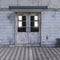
(23, 29)
(24, 24)
(24, 18)
(32, 24)
(34, 29)
(32, 18)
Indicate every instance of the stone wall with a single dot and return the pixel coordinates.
(49, 3)
(6, 27)
(50, 27)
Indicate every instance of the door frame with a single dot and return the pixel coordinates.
(23, 13)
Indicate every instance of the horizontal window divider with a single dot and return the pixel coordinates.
(22, 27)
(22, 20)
(34, 27)
(36, 20)
(28, 27)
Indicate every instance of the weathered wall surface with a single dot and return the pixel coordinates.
(6, 27)
(27, 3)
(50, 27)
(7, 3)
(49, 3)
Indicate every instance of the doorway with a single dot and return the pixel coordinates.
(28, 29)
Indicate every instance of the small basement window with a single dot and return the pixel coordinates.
(34, 24)
(21, 23)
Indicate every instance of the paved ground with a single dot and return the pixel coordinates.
(29, 53)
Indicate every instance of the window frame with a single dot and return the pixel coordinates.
(34, 29)
(23, 28)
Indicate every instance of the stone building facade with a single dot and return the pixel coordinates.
(29, 22)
